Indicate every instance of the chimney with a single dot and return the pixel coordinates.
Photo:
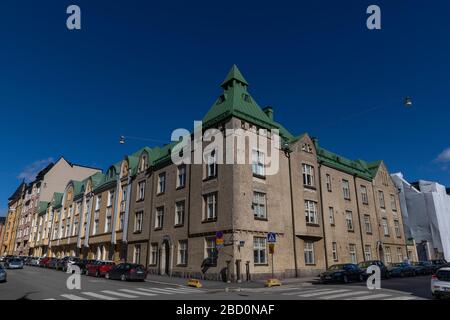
(269, 112)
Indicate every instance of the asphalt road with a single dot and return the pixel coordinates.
(44, 284)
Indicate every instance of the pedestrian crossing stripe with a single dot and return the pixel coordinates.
(308, 295)
(141, 293)
(343, 295)
(99, 296)
(119, 294)
(72, 297)
(371, 297)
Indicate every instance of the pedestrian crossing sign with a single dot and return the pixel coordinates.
(271, 237)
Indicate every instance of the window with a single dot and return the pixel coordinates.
(335, 252)
(154, 254)
(364, 196)
(110, 198)
(259, 250)
(311, 212)
(346, 189)
(393, 203)
(349, 220)
(96, 226)
(181, 182)
(144, 163)
(397, 229)
(179, 213)
(308, 175)
(385, 226)
(162, 183)
(259, 205)
(309, 252)
(123, 203)
(352, 252)
(121, 217)
(138, 219)
(399, 254)
(141, 191)
(381, 199)
(159, 219)
(367, 252)
(75, 228)
(328, 182)
(367, 224)
(387, 255)
(183, 252)
(258, 163)
(211, 168)
(210, 248)
(98, 203)
(210, 206)
(331, 215)
(108, 224)
(137, 254)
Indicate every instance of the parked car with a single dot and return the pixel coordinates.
(342, 273)
(366, 264)
(52, 263)
(440, 283)
(127, 272)
(2, 274)
(2, 259)
(100, 268)
(64, 263)
(14, 264)
(401, 269)
(43, 262)
(82, 264)
(423, 267)
(35, 261)
(439, 263)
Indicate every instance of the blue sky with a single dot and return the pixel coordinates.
(144, 68)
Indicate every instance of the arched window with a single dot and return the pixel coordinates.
(144, 164)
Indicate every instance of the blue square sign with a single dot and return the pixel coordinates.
(271, 237)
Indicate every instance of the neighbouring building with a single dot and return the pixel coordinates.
(2, 230)
(426, 215)
(14, 209)
(323, 208)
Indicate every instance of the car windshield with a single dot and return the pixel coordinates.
(365, 264)
(337, 267)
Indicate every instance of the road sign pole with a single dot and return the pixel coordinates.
(273, 276)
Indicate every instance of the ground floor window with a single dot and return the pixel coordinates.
(352, 252)
(153, 253)
(335, 252)
(367, 253)
(387, 255)
(137, 254)
(259, 250)
(309, 252)
(183, 252)
(210, 247)
(399, 254)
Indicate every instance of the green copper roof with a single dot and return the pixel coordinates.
(42, 207)
(57, 200)
(234, 74)
(78, 188)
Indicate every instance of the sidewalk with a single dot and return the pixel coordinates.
(219, 285)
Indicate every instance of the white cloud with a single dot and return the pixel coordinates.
(444, 156)
(30, 171)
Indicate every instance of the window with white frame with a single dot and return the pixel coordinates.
(381, 199)
(181, 181)
(211, 165)
(364, 195)
(183, 252)
(399, 254)
(367, 224)
(138, 219)
(335, 252)
(309, 252)
(331, 215)
(352, 253)
(258, 163)
(259, 205)
(393, 203)
(121, 221)
(328, 182)
(137, 254)
(141, 191)
(346, 189)
(311, 212)
(387, 255)
(179, 213)
(259, 250)
(108, 224)
(96, 226)
(308, 175)
(153, 254)
(159, 219)
(98, 202)
(210, 247)
(162, 182)
(384, 224)
(349, 220)
(110, 198)
(367, 252)
(397, 229)
(210, 206)
(75, 227)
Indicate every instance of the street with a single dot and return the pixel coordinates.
(45, 284)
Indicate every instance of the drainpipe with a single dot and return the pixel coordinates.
(359, 218)
(151, 219)
(114, 216)
(88, 225)
(319, 184)
(288, 152)
(126, 214)
(378, 223)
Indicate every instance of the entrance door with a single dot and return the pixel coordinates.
(164, 267)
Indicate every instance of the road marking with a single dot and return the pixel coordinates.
(303, 291)
(138, 292)
(99, 296)
(402, 298)
(182, 289)
(72, 297)
(342, 295)
(50, 299)
(371, 297)
(308, 295)
(123, 295)
(154, 290)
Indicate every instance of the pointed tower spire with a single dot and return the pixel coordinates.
(234, 75)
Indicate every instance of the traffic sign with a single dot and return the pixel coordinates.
(271, 237)
(219, 240)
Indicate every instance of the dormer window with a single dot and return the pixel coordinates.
(221, 99)
(246, 97)
(144, 164)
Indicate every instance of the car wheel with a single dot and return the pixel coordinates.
(436, 296)
(345, 279)
(97, 274)
(107, 275)
(360, 278)
(123, 278)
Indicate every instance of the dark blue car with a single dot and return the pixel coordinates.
(402, 269)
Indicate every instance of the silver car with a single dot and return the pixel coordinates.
(440, 283)
(2, 274)
(14, 264)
